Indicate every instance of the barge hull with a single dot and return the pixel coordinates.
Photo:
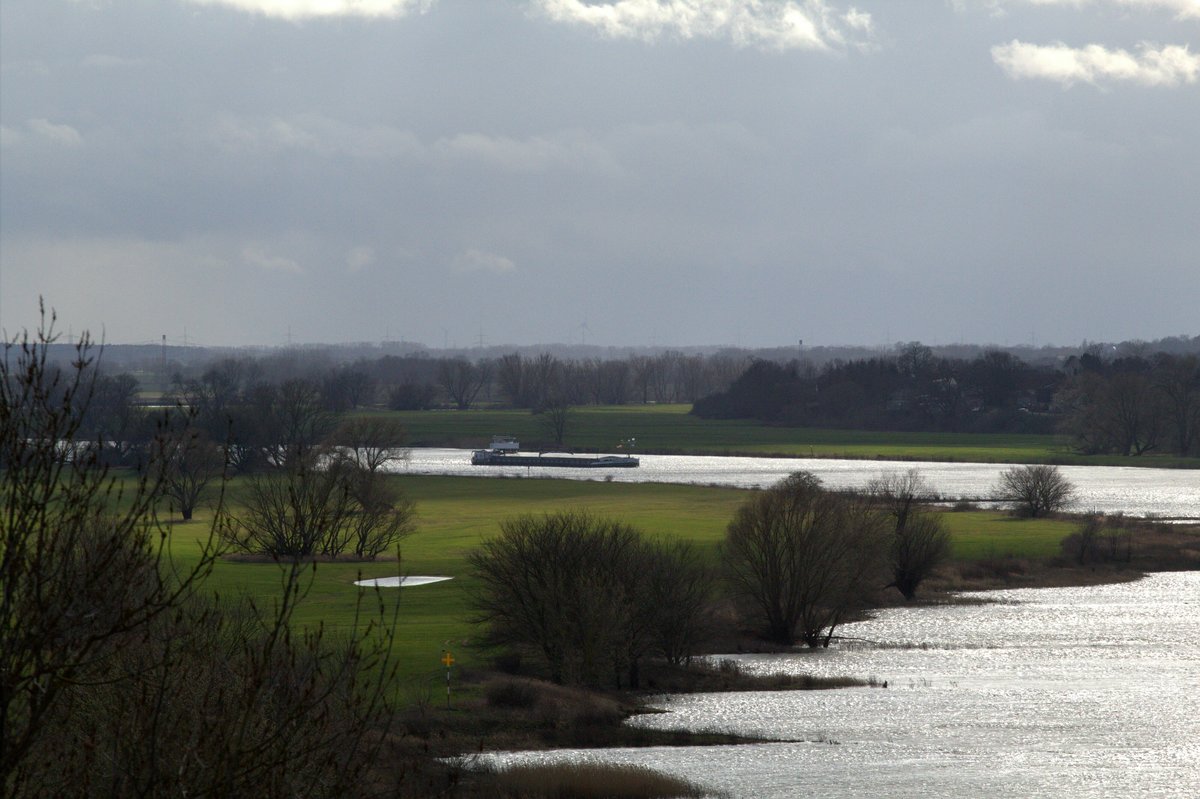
(483, 458)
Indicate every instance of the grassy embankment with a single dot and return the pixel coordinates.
(457, 513)
(501, 713)
(671, 429)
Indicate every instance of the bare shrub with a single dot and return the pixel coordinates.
(591, 780)
(1035, 490)
(510, 693)
(221, 699)
(308, 511)
(190, 463)
(1099, 539)
(920, 542)
(79, 550)
(119, 674)
(588, 597)
(372, 442)
(1082, 545)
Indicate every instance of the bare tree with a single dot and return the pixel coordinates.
(190, 463)
(1084, 544)
(463, 380)
(1035, 490)
(382, 515)
(297, 514)
(555, 586)
(79, 570)
(511, 374)
(1099, 539)
(372, 442)
(589, 597)
(643, 368)
(307, 511)
(801, 557)
(1123, 412)
(920, 541)
(347, 388)
(610, 381)
(1177, 381)
(110, 418)
(679, 592)
(555, 418)
(302, 421)
(412, 397)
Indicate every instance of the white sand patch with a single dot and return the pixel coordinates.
(401, 582)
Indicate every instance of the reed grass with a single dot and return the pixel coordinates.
(591, 781)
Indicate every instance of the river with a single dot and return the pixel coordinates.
(1073, 692)
(1162, 493)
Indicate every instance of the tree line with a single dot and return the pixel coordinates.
(1133, 405)
(279, 410)
(1129, 401)
(314, 476)
(515, 380)
(1130, 405)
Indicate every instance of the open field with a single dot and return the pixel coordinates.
(671, 429)
(457, 513)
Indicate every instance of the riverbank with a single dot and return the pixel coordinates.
(456, 515)
(672, 430)
(508, 712)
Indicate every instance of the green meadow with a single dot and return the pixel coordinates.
(456, 514)
(671, 429)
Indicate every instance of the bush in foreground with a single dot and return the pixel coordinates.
(119, 674)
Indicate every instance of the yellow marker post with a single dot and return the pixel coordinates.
(447, 661)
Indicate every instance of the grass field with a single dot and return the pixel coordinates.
(456, 514)
(671, 429)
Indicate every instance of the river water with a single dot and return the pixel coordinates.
(1074, 692)
(1163, 493)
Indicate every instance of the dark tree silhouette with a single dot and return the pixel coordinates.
(801, 557)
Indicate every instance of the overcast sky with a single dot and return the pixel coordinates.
(664, 172)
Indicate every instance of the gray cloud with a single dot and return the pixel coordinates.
(474, 260)
(347, 177)
(60, 134)
(359, 258)
(107, 61)
(260, 256)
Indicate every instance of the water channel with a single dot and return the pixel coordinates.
(1163, 493)
(1075, 692)
(1079, 692)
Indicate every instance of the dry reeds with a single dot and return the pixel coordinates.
(591, 781)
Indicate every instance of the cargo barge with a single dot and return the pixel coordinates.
(505, 451)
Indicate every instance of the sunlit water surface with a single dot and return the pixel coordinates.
(1166, 493)
(1077, 692)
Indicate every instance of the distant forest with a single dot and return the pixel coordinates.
(1131, 404)
(1130, 398)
